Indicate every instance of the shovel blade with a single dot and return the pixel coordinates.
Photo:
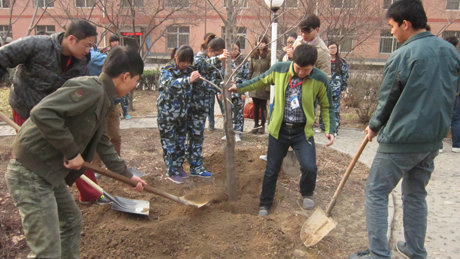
(290, 164)
(316, 227)
(130, 206)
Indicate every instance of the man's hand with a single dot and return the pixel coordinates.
(331, 139)
(140, 183)
(290, 52)
(243, 97)
(223, 56)
(219, 97)
(370, 133)
(75, 164)
(195, 75)
(233, 88)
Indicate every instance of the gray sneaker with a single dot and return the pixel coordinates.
(263, 211)
(308, 203)
(402, 248)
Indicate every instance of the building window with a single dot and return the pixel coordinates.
(44, 3)
(4, 3)
(177, 36)
(85, 3)
(343, 3)
(238, 3)
(5, 31)
(387, 3)
(45, 29)
(452, 4)
(290, 4)
(388, 43)
(177, 3)
(134, 3)
(240, 36)
(446, 34)
(344, 39)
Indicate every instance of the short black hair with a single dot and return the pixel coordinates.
(305, 55)
(121, 60)
(185, 54)
(310, 23)
(409, 10)
(453, 40)
(217, 44)
(292, 35)
(113, 38)
(81, 29)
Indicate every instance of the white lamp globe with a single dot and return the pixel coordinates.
(274, 3)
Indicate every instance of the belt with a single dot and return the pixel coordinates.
(293, 125)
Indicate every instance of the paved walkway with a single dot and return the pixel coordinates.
(443, 237)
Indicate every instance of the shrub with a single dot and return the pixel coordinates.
(362, 94)
(149, 80)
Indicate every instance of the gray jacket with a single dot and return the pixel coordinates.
(38, 73)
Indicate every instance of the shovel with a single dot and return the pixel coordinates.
(119, 203)
(320, 224)
(148, 188)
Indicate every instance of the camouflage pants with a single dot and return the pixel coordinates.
(173, 137)
(195, 138)
(238, 113)
(336, 107)
(51, 219)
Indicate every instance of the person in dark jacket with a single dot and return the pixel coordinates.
(44, 63)
(413, 115)
(66, 128)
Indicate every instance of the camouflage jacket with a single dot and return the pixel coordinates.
(242, 74)
(38, 73)
(211, 69)
(175, 93)
(339, 78)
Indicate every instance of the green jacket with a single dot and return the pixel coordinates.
(417, 95)
(68, 122)
(313, 86)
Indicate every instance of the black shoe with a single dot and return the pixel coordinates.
(402, 248)
(361, 255)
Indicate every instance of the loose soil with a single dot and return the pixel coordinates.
(221, 229)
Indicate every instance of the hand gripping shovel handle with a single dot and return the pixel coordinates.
(126, 180)
(346, 175)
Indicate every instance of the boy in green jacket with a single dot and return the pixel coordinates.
(64, 129)
(297, 85)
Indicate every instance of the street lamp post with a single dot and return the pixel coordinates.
(274, 5)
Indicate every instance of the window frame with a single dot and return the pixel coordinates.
(134, 4)
(245, 6)
(2, 5)
(46, 28)
(86, 4)
(342, 6)
(452, 9)
(341, 37)
(177, 34)
(240, 35)
(176, 4)
(43, 3)
(394, 42)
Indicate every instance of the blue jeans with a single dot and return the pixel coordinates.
(277, 149)
(212, 101)
(387, 169)
(456, 124)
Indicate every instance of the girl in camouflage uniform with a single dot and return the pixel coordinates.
(339, 77)
(173, 102)
(209, 64)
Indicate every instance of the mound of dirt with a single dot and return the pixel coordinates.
(222, 228)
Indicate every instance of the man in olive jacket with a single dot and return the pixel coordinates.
(64, 129)
(413, 115)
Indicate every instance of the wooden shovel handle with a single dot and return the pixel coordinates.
(126, 180)
(346, 175)
(8, 121)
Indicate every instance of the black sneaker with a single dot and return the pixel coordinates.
(402, 248)
(366, 254)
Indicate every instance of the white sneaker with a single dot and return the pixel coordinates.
(237, 138)
(456, 149)
(441, 150)
(263, 157)
(224, 137)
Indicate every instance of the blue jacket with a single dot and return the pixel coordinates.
(417, 95)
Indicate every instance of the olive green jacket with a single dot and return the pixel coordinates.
(68, 122)
(257, 67)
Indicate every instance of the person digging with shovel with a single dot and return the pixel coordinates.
(297, 85)
(66, 128)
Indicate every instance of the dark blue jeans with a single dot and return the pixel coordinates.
(456, 124)
(277, 149)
